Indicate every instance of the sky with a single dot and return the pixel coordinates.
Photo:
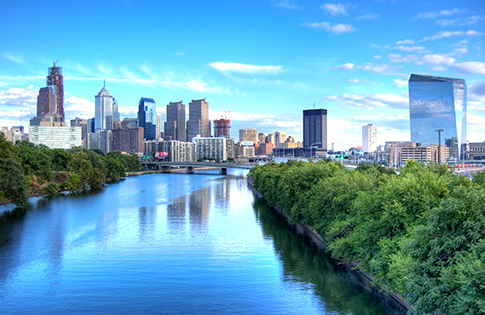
(264, 61)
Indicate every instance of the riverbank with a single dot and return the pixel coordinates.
(393, 302)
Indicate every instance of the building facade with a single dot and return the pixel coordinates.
(105, 111)
(250, 134)
(56, 137)
(174, 128)
(55, 80)
(315, 128)
(198, 123)
(147, 117)
(101, 139)
(369, 138)
(211, 148)
(438, 103)
(80, 122)
(222, 127)
(129, 140)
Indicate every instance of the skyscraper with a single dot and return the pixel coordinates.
(175, 124)
(56, 81)
(438, 103)
(250, 134)
(105, 110)
(369, 138)
(198, 123)
(147, 117)
(315, 128)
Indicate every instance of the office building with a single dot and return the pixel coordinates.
(128, 140)
(438, 103)
(101, 139)
(105, 111)
(80, 122)
(159, 125)
(147, 117)
(212, 148)
(473, 150)
(129, 123)
(279, 139)
(198, 123)
(171, 150)
(250, 134)
(369, 138)
(46, 101)
(315, 128)
(175, 122)
(55, 136)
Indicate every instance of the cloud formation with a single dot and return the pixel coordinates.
(335, 29)
(286, 4)
(334, 9)
(441, 35)
(240, 68)
(346, 66)
(370, 101)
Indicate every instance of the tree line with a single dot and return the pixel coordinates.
(26, 166)
(420, 234)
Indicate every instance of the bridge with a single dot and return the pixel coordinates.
(191, 167)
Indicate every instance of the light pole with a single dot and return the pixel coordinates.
(439, 144)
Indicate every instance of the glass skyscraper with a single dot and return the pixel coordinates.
(147, 118)
(175, 124)
(438, 103)
(105, 111)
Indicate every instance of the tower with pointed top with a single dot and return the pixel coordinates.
(106, 111)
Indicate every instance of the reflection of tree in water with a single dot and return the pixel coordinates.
(305, 263)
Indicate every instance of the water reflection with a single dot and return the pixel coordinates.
(147, 217)
(305, 263)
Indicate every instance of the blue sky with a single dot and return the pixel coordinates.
(264, 61)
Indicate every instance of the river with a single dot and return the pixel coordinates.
(166, 244)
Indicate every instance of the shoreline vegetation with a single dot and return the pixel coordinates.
(28, 170)
(419, 235)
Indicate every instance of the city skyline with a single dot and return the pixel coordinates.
(263, 61)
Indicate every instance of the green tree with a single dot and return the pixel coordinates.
(8, 150)
(12, 183)
(36, 160)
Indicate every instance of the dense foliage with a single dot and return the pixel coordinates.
(420, 234)
(24, 165)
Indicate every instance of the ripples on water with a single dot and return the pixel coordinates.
(165, 244)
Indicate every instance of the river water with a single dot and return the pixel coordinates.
(165, 244)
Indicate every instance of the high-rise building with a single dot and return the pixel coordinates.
(175, 124)
(129, 123)
(105, 110)
(315, 128)
(250, 134)
(198, 123)
(80, 122)
(279, 138)
(369, 138)
(129, 140)
(147, 117)
(222, 127)
(159, 125)
(438, 103)
(56, 82)
(55, 136)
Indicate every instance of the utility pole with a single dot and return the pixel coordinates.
(439, 144)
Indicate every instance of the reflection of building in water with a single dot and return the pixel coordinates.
(147, 217)
(176, 214)
(199, 201)
(222, 196)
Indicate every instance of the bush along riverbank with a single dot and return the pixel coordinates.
(420, 234)
(30, 170)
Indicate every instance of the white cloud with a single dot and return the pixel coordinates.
(335, 29)
(239, 68)
(433, 15)
(353, 81)
(410, 48)
(180, 53)
(334, 9)
(78, 107)
(370, 101)
(436, 59)
(471, 67)
(16, 59)
(287, 4)
(383, 68)
(399, 122)
(439, 68)
(405, 42)
(367, 17)
(400, 83)
(346, 66)
(19, 97)
(441, 35)
(399, 58)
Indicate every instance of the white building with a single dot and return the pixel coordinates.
(211, 148)
(56, 137)
(369, 138)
